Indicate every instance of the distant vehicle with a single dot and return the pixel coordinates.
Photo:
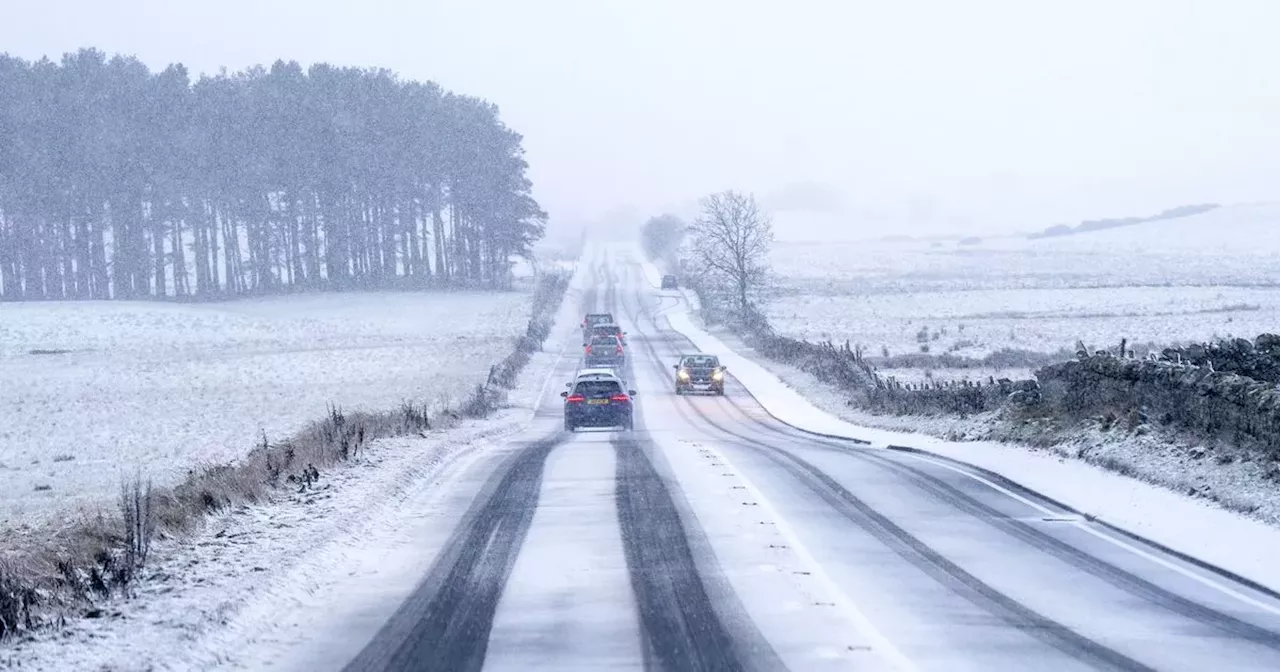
(699, 373)
(591, 320)
(603, 352)
(598, 403)
(609, 330)
(670, 282)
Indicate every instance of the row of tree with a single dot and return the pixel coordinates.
(119, 182)
(725, 251)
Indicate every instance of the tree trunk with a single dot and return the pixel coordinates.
(157, 242)
(181, 283)
(442, 266)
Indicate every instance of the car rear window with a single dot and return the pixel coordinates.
(597, 389)
(604, 340)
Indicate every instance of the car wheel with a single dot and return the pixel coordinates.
(568, 426)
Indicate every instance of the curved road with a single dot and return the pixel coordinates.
(714, 537)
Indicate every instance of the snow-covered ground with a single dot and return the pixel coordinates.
(158, 388)
(252, 582)
(977, 322)
(1189, 279)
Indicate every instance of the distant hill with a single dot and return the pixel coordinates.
(1245, 229)
(1104, 224)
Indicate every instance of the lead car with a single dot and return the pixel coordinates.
(598, 402)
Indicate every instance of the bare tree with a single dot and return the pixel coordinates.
(731, 240)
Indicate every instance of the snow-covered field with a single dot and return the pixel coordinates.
(248, 588)
(157, 388)
(1192, 279)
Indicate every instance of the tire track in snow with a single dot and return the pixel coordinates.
(445, 623)
(937, 566)
(1047, 543)
(682, 628)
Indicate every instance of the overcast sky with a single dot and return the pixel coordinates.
(929, 116)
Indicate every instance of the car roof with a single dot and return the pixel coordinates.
(606, 325)
(595, 372)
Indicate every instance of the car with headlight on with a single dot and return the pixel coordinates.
(700, 373)
(598, 402)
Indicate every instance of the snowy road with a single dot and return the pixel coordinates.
(714, 537)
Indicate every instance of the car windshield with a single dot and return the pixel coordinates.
(597, 389)
(700, 361)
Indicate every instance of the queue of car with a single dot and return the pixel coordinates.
(598, 396)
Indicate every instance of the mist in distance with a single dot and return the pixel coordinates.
(847, 119)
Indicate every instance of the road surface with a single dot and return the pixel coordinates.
(714, 537)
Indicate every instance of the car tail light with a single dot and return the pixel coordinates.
(575, 398)
(619, 349)
(620, 397)
(588, 349)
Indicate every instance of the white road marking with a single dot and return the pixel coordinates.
(843, 603)
(1084, 525)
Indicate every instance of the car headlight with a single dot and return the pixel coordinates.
(683, 375)
(717, 376)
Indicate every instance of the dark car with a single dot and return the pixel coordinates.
(603, 352)
(591, 320)
(670, 282)
(598, 403)
(609, 330)
(699, 373)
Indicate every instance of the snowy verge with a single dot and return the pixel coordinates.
(202, 594)
(1193, 526)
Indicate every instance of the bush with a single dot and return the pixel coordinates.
(16, 601)
(949, 398)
